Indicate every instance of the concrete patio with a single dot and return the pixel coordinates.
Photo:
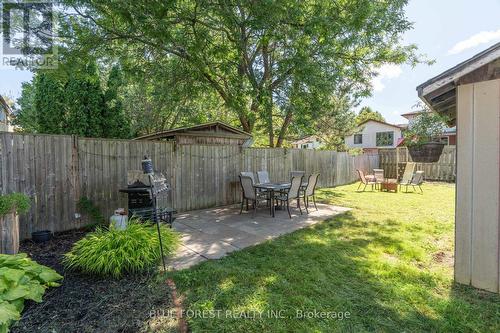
(213, 233)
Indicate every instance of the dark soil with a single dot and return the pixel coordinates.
(86, 303)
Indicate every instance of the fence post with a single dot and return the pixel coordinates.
(9, 233)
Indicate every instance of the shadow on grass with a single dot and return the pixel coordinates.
(326, 269)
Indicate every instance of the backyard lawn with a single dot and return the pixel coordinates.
(385, 266)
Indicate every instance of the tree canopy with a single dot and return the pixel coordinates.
(366, 113)
(271, 66)
(76, 103)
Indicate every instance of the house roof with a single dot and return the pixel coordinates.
(380, 122)
(439, 93)
(218, 126)
(309, 138)
(411, 113)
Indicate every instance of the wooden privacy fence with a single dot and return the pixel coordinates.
(393, 162)
(57, 170)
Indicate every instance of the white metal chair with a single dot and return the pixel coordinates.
(407, 175)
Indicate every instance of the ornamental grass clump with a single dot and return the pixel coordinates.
(117, 252)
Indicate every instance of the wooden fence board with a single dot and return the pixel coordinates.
(394, 160)
(57, 170)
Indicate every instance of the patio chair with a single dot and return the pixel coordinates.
(249, 193)
(407, 175)
(364, 180)
(379, 176)
(248, 174)
(263, 177)
(297, 174)
(309, 190)
(293, 193)
(417, 180)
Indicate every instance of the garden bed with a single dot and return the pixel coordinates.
(85, 303)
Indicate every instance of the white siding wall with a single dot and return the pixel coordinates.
(477, 214)
(369, 131)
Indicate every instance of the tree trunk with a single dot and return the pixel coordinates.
(284, 128)
(268, 92)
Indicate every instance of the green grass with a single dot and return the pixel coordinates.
(388, 262)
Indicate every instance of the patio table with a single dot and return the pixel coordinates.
(271, 188)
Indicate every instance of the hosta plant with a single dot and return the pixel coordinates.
(20, 279)
(117, 252)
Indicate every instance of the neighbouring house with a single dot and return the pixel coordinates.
(371, 135)
(5, 116)
(469, 95)
(309, 142)
(215, 133)
(449, 135)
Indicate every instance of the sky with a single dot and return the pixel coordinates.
(447, 31)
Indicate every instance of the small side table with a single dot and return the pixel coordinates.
(389, 185)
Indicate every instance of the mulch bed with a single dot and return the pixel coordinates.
(86, 303)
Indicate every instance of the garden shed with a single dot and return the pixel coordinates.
(469, 94)
(217, 133)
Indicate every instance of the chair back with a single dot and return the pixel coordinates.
(297, 173)
(408, 173)
(418, 178)
(311, 185)
(296, 182)
(379, 174)
(248, 174)
(247, 187)
(361, 176)
(263, 177)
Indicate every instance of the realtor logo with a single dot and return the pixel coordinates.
(27, 33)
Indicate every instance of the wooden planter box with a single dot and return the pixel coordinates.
(9, 233)
(427, 153)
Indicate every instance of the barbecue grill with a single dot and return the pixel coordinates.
(141, 197)
(147, 197)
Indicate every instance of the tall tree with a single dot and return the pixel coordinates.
(366, 113)
(49, 104)
(26, 115)
(259, 57)
(117, 123)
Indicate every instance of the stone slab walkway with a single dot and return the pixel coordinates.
(213, 233)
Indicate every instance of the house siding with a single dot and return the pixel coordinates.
(369, 130)
(477, 214)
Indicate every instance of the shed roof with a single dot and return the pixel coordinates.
(217, 126)
(439, 93)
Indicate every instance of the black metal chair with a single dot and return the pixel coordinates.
(292, 194)
(309, 190)
(249, 193)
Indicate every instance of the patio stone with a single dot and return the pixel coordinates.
(214, 233)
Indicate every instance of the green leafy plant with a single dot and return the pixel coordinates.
(14, 202)
(426, 126)
(21, 278)
(117, 252)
